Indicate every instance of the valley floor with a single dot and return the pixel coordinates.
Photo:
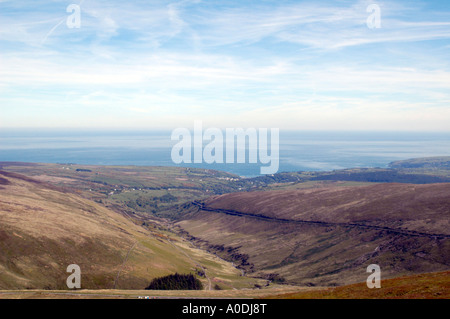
(152, 294)
(422, 286)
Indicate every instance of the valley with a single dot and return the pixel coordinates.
(329, 235)
(44, 228)
(125, 225)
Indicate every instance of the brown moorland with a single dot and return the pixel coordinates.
(423, 286)
(328, 236)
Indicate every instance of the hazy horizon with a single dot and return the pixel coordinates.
(299, 151)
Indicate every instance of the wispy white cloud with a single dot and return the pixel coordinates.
(295, 65)
(318, 26)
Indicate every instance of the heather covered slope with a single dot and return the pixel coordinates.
(400, 206)
(328, 236)
(43, 229)
(423, 286)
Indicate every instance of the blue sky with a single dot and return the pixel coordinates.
(305, 65)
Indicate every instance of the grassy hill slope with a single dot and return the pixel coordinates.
(43, 229)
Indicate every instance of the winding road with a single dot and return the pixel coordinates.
(405, 232)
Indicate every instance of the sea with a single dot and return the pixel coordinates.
(298, 150)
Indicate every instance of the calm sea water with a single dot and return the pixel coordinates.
(299, 151)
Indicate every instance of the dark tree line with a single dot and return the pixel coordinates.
(176, 282)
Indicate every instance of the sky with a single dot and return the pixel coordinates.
(297, 65)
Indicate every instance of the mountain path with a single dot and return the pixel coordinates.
(123, 264)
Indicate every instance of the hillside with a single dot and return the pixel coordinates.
(150, 192)
(138, 190)
(329, 235)
(436, 163)
(423, 286)
(305, 228)
(44, 228)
